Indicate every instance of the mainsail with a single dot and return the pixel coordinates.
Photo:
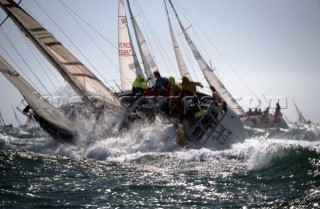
(147, 59)
(44, 111)
(211, 78)
(129, 64)
(180, 61)
(81, 79)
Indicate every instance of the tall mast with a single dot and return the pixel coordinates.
(211, 78)
(147, 59)
(179, 58)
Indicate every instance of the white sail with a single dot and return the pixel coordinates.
(147, 59)
(129, 64)
(211, 78)
(179, 58)
(81, 79)
(38, 103)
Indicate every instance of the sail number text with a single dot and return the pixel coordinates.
(125, 49)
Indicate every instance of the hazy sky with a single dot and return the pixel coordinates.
(259, 47)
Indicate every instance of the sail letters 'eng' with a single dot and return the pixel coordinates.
(125, 49)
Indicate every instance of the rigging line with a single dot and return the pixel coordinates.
(42, 58)
(67, 37)
(24, 61)
(185, 48)
(95, 43)
(155, 39)
(195, 34)
(8, 15)
(45, 62)
(114, 46)
(13, 60)
(219, 52)
(34, 55)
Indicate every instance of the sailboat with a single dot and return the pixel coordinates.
(217, 128)
(48, 117)
(265, 119)
(3, 125)
(301, 118)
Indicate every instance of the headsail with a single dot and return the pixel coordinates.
(147, 59)
(45, 113)
(180, 61)
(129, 64)
(211, 78)
(81, 79)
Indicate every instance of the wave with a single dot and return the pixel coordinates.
(155, 143)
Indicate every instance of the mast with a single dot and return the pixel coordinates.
(211, 78)
(129, 64)
(80, 78)
(179, 58)
(147, 59)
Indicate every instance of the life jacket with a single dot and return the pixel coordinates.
(197, 110)
(139, 82)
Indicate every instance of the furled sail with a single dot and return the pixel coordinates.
(81, 79)
(147, 59)
(180, 61)
(129, 64)
(43, 110)
(211, 78)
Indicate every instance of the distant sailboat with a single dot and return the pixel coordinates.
(3, 125)
(48, 117)
(301, 118)
(16, 117)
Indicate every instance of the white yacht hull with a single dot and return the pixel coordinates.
(219, 134)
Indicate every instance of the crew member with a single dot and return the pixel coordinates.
(139, 85)
(189, 88)
(161, 85)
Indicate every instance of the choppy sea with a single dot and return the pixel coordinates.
(144, 168)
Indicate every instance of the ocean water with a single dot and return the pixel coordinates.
(144, 168)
